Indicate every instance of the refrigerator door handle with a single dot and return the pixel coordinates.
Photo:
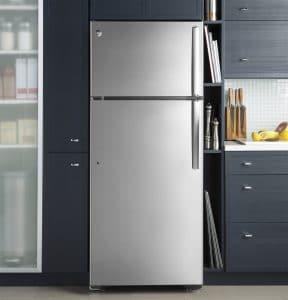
(196, 106)
(196, 84)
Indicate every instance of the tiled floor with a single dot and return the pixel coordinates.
(209, 293)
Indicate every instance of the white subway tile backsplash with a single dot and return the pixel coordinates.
(266, 101)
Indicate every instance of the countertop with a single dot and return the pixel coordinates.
(255, 146)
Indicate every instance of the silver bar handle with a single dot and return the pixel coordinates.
(247, 188)
(243, 9)
(196, 133)
(74, 165)
(247, 235)
(247, 163)
(74, 140)
(196, 63)
(243, 59)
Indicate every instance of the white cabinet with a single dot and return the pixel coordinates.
(21, 138)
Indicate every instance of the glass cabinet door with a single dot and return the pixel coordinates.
(21, 147)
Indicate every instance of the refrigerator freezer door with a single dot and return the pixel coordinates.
(146, 199)
(146, 58)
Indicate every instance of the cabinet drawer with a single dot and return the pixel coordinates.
(257, 247)
(117, 10)
(256, 49)
(256, 163)
(257, 198)
(174, 9)
(256, 10)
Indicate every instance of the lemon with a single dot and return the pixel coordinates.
(284, 135)
(256, 137)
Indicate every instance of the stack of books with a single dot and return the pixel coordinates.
(215, 257)
(214, 57)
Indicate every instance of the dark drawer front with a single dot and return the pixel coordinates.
(117, 9)
(257, 247)
(174, 9)
(256, 10)
(256, 163)
(257, 198)
(256, 49)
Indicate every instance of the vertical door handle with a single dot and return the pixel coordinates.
(196, 107)
(196, 82)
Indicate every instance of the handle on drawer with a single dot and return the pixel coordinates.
(247, 163)
(243, 9)
(244, 59)
(247, 235)
(74, 165)
(74, 140)
(247, 187)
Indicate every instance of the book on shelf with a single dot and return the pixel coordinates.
(213, 56)
(215, 257)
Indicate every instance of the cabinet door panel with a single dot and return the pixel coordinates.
(256, 49)
(66, 84)
(117, 10)
(175, 9)
(65, 244)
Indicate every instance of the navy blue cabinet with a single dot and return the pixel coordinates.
(66, 217)
(146, 9)
(66, 75)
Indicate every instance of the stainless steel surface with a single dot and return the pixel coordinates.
(146, 200)
(247, 187)
(247, 235)
(247, 163)
(197, 108)
(146, 59)
(197, 62)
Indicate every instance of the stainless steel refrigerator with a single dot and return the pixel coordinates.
(146, 154)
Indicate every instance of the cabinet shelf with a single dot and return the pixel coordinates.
(17, 146)
(18, 101)
(18, 7)
(218, 22)
(18, 52)
(212, 151)
(209, 84)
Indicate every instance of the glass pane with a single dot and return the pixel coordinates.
(19, 145)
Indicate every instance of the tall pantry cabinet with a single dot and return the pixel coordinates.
(66, 136)
(21, 136)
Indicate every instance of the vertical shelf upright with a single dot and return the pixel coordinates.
(214, 160)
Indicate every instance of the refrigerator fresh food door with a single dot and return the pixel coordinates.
(146, 193)
(146, 58)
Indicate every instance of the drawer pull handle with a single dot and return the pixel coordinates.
(243, 59)
(247, 163)
(247, 236)
(74, 165)
(243, 9)
(73, 140)
(247, 188)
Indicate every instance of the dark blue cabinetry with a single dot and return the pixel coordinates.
(256, 211)
(146, 10)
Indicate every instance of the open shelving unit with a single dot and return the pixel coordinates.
(214, 160)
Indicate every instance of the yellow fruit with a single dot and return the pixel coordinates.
(265, 135)
(284, 135)
(256, 137)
